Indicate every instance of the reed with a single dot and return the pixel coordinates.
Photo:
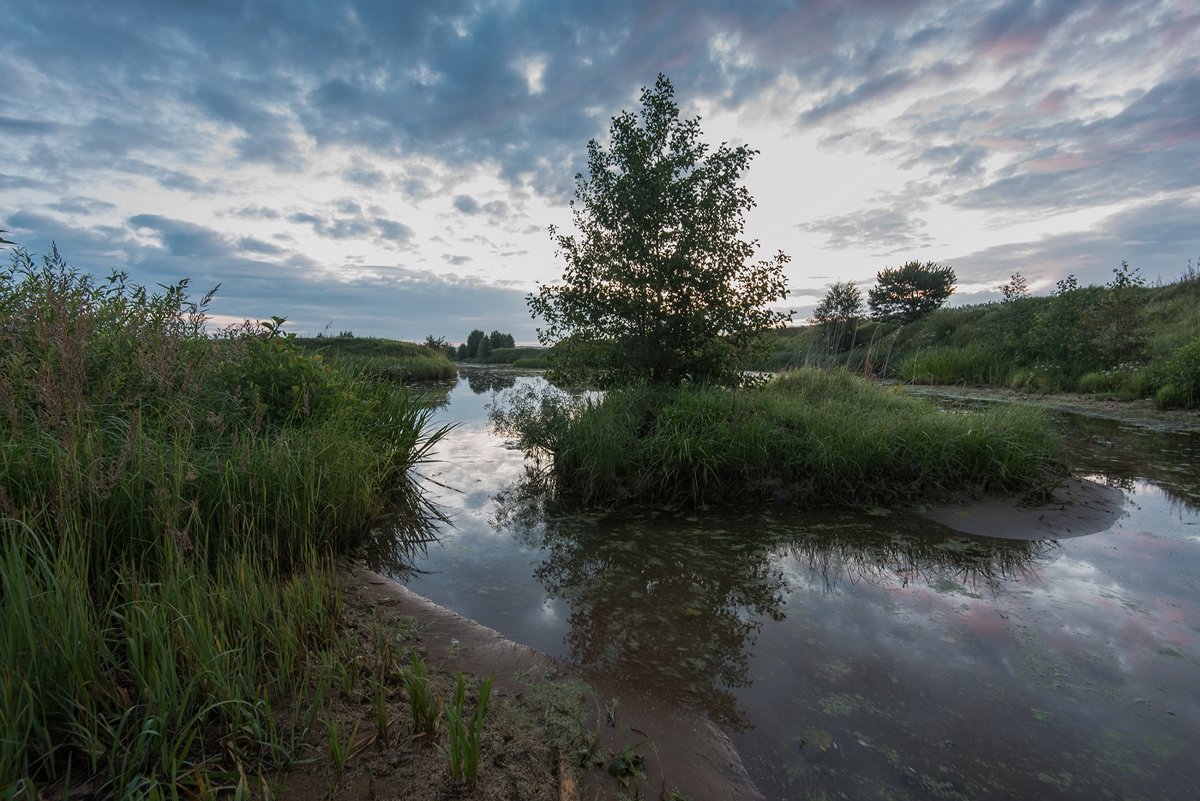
(170, 506)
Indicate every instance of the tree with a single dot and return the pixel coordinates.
(908, 293)
(658, 286)
(473, 340)
(499, 340)
(838, 313)
(1016, 288)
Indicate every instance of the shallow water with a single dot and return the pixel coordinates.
(856, 656)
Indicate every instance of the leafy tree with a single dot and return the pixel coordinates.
(1016, 288)
(473, 340)
(485, 348)
(908, 293)
(499, 340)
(838, 314)
(658, 286)
(462, 352)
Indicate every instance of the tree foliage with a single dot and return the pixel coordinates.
(838, 314)
(1016, 288)
(658, 284)
(907, 293)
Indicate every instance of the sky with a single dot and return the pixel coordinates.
(391, 168)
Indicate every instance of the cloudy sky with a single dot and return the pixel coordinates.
(391, 167)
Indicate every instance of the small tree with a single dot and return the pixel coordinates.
(908, 293)
(1016, 288)
(658, 286)
(838, 314)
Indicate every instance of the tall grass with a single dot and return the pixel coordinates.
(813, 436)
(170, 503)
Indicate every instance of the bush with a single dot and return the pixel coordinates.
(1180, 378)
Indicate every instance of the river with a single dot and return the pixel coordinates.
(854, 655)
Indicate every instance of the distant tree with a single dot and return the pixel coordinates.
(1015, 289)
(907, 293)
(485, 348)
(838, 314)
(462, 352)
(658, 286)
(346, 334)
(436, 344)
(499, 340)
(473, 340)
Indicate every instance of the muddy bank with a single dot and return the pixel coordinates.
(682, 750)
(1077, 508)
(1141, 412)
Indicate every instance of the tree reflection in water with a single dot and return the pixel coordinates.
(482, 381)
(672, 602)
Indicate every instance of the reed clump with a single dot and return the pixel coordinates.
(812, 436)
(170, 505)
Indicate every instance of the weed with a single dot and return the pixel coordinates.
(426, 708)
(466, 735)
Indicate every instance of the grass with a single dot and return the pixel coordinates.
(382, 359)
(170, 506)
(816, 437)
(466, 734)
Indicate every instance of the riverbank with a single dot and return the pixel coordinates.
(551, 731)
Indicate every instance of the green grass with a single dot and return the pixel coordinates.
(170, 506)
(383, 359)
(816, 437)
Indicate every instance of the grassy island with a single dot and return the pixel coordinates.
(811, 436)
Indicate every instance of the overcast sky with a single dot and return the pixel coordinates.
(392, 167)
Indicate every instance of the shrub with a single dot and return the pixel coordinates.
(1180, 378)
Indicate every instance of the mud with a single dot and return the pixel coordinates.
(682, 750)
(1075, 509)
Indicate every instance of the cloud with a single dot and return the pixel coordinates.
(883, 230)
(466, 204)
(181, 238)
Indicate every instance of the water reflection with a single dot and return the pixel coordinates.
(673, 602)
(906, 551)
(401, 536)
(1124, 454)
(486, 381)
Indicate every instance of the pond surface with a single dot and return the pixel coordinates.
(857, 656)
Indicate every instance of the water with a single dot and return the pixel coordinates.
(856, 656)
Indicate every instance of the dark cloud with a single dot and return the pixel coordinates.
(26, 127)
(255, 213)
(354, 224)
(466, 204)
(82, 205)
(181, 238)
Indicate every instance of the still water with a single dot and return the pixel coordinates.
(861, 656)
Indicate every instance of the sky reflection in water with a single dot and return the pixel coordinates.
(858, 656)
